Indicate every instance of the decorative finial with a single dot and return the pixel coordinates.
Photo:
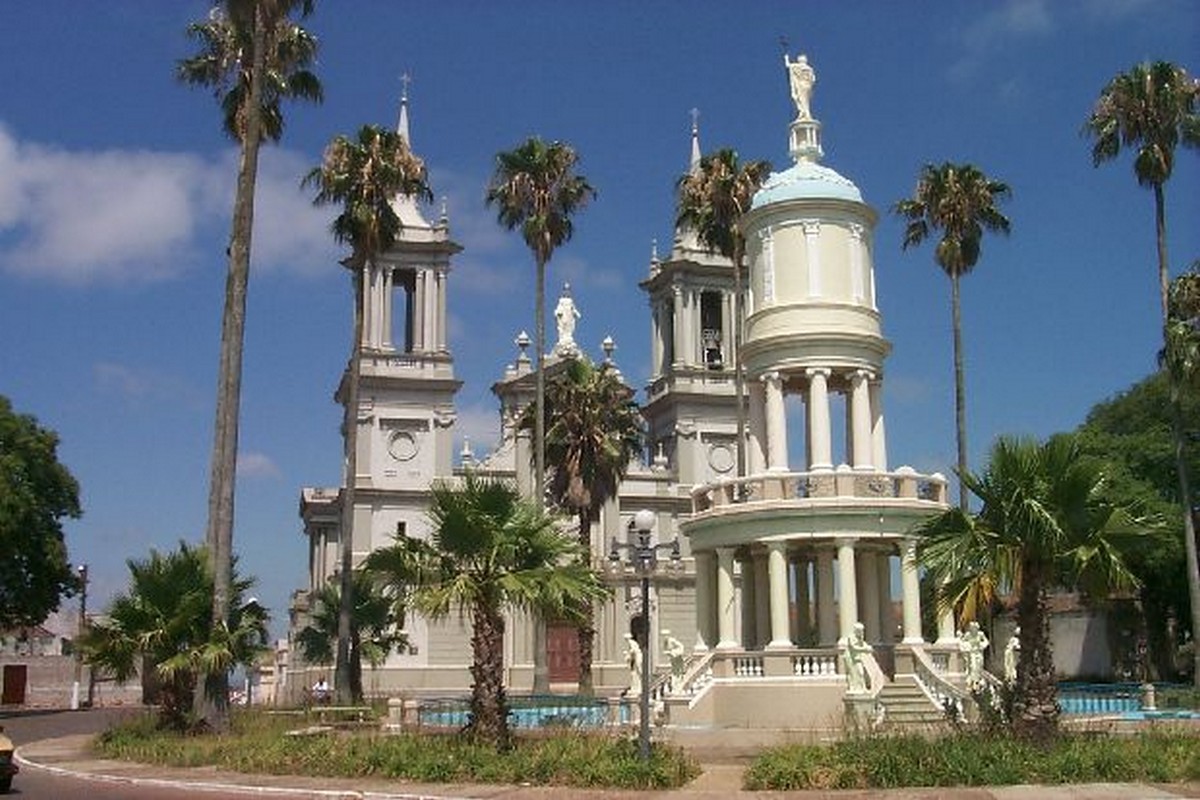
(444, 214)
(608, 346)
(695, 112)
(522, 343)
(402, 126)
(468, 455)
(654, 250)
(405, 80)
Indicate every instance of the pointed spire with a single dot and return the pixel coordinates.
(694, 167)
(402, 126)
(685, 237)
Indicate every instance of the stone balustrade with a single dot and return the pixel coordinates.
(901, 484)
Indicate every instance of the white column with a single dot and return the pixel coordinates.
(656, 347)
(443, 341)
(388, 299)
(887, 623)
(878, 438)
(860, 411)
(826, 622)
(417, 323)
(777, 569)
(847, 589)
(820, 436)
(749, 601)
(946, 631)
(704, 600)
(776, 422)
(762, 599)
(727, 323)
(812, 254)
(868, 577)
(756, 427)
(910, 592)
(430, 310)
(725, 609)
(678, 327)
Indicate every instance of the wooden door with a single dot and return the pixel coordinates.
(15, 677)
(562, 652)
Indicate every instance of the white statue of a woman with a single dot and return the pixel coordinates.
(1012, 652)
(633, 660)
(972, 643)
(565, 317)
(853, 651)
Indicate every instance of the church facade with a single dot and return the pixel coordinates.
(785, 568)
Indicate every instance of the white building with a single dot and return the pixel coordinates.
(778, 565)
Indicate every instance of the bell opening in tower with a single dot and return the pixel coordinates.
(711, 325)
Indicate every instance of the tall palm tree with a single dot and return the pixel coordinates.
(253, 56)
(958, 201)
(164, 619)
(593, 431)
(364, 174)
(374, 630)
(1151, 109)
(490, 551)
(711, 200)
(535, 188)
(1045, 522)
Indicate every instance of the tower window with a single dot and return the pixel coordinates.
(711, 327)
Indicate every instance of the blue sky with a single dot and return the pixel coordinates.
(116, 184)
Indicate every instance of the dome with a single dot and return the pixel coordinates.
(806, 180)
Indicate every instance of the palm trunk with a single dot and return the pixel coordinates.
(1179, 436)
(587, 628)
(739, 378)
(1035, 706)
(489, 703)
(212, 701)
(960, 394)
(541, 672)
(342, 671)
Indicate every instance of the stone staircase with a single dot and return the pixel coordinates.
(907, 707)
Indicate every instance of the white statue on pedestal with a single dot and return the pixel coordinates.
(565, 317)
(853, 651)
(972, 643)
(1012, 652)
(633, 660)
(674, 650)
(801, 77)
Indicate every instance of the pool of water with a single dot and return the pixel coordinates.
(599, 715)
(1167, 713)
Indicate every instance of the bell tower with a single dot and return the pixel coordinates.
(690, 409)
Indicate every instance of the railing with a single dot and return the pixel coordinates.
(697, 675)
(941, 692)
(748, 666)
(903, 483)
(815, 664)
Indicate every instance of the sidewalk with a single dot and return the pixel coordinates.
(70, 755)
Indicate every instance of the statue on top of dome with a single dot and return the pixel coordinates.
(801, 77)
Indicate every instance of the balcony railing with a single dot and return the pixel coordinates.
(903, 483)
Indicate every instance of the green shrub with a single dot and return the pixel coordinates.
(971, 759)
(258, 744)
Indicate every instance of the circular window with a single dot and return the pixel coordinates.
(403, 446)
(720, 458)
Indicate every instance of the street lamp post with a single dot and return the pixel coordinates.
(82, 570)
(644, 555)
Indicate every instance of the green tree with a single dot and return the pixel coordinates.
(535, 188)
(711, 199)
(1130, 434)
(490, 551)
(593, 431)
(253, 56)
(364, 175)
(958, 201)
(1046, 521)
(163, 622)
(36, 494)
(373, 629)
(1151, 109)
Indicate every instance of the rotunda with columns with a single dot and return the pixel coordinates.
(794, 555)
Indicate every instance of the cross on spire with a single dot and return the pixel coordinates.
(695, 112)
(405, 80)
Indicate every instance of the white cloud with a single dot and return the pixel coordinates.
(126, 216)
(257, 465)
(481, 425)
(1004, 23)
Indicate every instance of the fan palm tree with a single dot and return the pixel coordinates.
(164, 619)
(490, 551)
(958, 201)
(373, 631)
(535, 188)
(253, 56)
(1152, 109)
(593, 431)
(1044, 522)
(364, 174)
(711, 200)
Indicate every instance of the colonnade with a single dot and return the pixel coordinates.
(866, 441)
(771, 599)
(424, 291)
